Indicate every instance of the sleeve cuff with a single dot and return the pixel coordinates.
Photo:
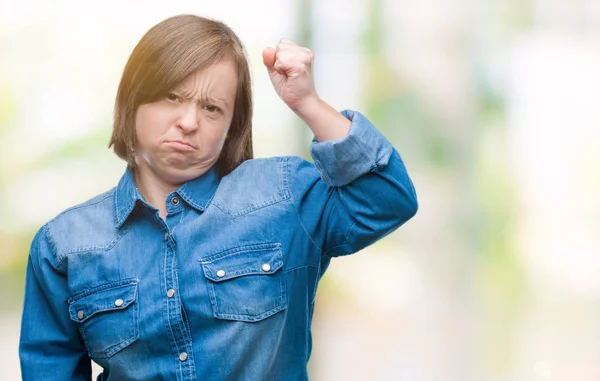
(363, 150)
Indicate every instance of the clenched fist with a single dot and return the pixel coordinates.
(290, 69)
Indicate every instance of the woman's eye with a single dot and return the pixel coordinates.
(211, 108)
(173, 98)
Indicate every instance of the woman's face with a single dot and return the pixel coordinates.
(180, 136)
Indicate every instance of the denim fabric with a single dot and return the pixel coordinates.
(224, 288)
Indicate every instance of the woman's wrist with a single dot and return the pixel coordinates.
(325, 122)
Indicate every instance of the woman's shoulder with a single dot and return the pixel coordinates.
(88, 219)
(93, 207)
(268, 165)
(259, 182)
(269, 170)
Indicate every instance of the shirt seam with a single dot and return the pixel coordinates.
(120, 234)
(107, 195)
(36, 263)
(193, 202)
(56, 259)
(286, 175)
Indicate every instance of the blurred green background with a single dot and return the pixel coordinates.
(492, 104)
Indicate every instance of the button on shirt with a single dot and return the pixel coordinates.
(223, 289)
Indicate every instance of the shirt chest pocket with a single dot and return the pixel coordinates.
(246, 283)
(107, 316)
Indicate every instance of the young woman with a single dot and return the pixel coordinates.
(202, 263)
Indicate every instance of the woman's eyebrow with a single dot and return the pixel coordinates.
(213, 99)
(189, 95)
(217, 100)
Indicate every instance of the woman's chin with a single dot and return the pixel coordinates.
(182, 170)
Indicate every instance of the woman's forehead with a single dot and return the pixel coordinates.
(220, 80)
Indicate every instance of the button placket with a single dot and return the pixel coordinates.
(180, 336)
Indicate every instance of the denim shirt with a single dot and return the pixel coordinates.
(224, 288)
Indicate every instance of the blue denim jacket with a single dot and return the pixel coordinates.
(224, 289)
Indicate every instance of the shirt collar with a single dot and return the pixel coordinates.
(198, 193)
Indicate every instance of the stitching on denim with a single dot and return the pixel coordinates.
(120, 234)
(193, 203)
(241, 249)
(281, 299)
(180, 219)
(170, 326)
(120, 219)
(189, 349)
(111, 350)
(211, 260)
(281, 304)
(104, 287)
(48, 236)
(106, 195)
(179, 317)
(178, 223)
(95, 311)
(116, 208)
(181, 370)
(213, 297)
(283, 289)
(253, 318)
(128, 212)
(181, 324)
(283, 171)
(221, 209)
(177, 302)
(282, 196)
(172, 335)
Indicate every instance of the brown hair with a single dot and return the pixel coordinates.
(167, 54)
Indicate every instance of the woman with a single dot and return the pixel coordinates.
(202, 264)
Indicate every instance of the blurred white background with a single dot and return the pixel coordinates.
(493, 106)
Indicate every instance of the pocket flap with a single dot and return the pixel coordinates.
(113, 296)
(248, 260)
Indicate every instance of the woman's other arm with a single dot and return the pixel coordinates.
(50, 346)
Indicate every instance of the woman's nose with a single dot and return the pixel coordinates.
(188, 121)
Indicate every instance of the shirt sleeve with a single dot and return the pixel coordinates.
(357, 191)
(50, 346)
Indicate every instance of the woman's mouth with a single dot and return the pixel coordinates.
(180, 145)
